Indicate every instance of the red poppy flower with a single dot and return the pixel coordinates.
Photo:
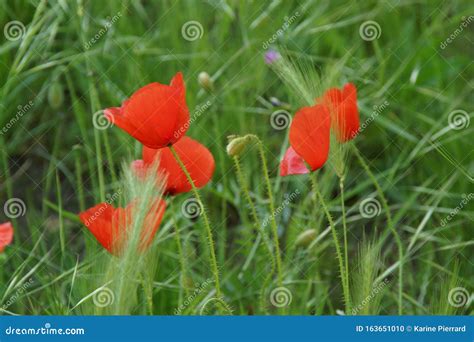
(292, 164)
(197, 159)
(109, 225)
(6, 235)
(156, 115)
(310, 134)
(344, 111)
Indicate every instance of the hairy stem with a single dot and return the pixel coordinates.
(272, 210)
(388, 215)
(334, 235)
(207, 224)
(344, 225)
(253, 212)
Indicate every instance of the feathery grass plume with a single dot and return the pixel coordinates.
(134, 269)
(300, 76)
(452, 297)
(366, 292)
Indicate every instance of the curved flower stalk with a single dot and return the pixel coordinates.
(234, 148)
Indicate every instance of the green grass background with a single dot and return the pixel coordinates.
(58, 163)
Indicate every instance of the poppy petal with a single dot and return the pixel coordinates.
(109, 225)
(156, 114)
(292, 164)
(98, 220)
(197, 159)
(344, 111)
(152, 223)
(309, 134)
(6, 235)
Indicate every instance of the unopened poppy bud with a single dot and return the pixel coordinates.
(237, 144)
(205, 81)
(306, 237)
(55, 95)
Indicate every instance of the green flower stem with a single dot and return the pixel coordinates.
(253, 212)
(388, 215)
(272, 209)
(207, 224)
(182, 258)
(344, 225)
(319, 196)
